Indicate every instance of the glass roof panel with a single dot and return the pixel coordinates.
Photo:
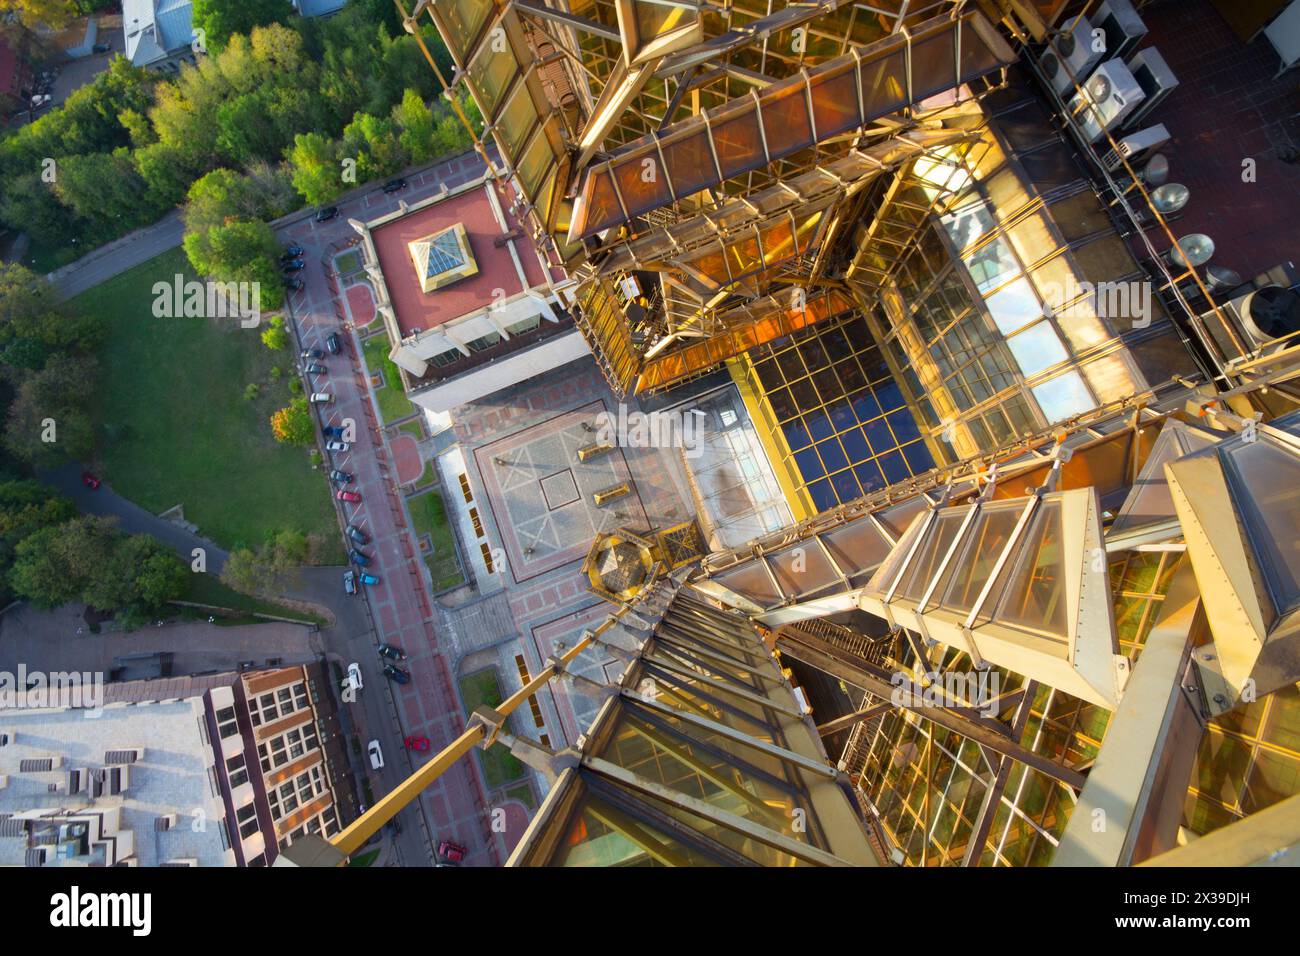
(1032, 583)
(984, 543)
(931, 553)
(1266, 487)
(738, 144)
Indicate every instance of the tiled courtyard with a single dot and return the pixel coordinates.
(542, 495)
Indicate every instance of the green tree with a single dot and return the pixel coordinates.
(49, 419)
(246, 571)
(274, 336)
(222, 19)
(315, 168)
(293, 425)
(35, 13)
(139, 577)
(417, 126)
(57, 564)
(27, 506)
(238, 251)
(374, 143)
(106, 191)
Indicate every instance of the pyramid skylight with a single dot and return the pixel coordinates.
(443, 258)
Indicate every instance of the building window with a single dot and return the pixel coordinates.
(477, 522)
(483, 342)
(527, 325)
(464, 488)
(227, 725)
(247, 817)
(237, 771)
(443, 359)
(487, 558)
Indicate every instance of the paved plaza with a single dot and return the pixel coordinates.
(542, 495)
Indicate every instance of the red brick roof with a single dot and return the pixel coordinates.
(418, 310)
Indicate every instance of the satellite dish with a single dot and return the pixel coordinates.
(1193, 250)
(1156, 170)
(1170, 198)
(1221, 277)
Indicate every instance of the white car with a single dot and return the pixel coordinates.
(376, 755)
(337, 446)
(321, 398)
(354, 677)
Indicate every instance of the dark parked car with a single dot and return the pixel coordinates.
(326, 214)
(357, 535)
(359, 557)
(342, 477)
(396, 674)
(312, 354)
(393, 185)
(333, 343)
(392, 652)
(332, 431)
(293, 265)
(350, 582)
(313, 369)
(102, 47)
(293, 283)
(292, 252)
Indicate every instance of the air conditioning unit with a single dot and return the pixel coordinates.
(164, 823)
(1106, 99)
(1257, 320)
(1135, 145)
(1071, 53)
(1122, 25)
(1156, 79)
(1270, 314)
(76, 780)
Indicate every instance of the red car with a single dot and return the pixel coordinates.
(90, 480)
(451, 852)
(343, 495)
(420, 744)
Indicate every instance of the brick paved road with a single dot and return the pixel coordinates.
(400, 605)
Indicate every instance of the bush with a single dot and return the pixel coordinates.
(251, 391)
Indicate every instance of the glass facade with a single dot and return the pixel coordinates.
(990, 313)
(841, 413)
(930, 784)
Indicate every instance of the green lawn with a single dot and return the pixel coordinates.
(393, 403)
(429, 516)
(429, 474)
(208, 589)
(500, 766)
(414, 428)
(524, 794)
(364, 859)
(178, 430)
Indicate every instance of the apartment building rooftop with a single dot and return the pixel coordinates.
(158, 788)
(453, 255)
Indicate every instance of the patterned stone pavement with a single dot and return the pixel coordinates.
(400, 607)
